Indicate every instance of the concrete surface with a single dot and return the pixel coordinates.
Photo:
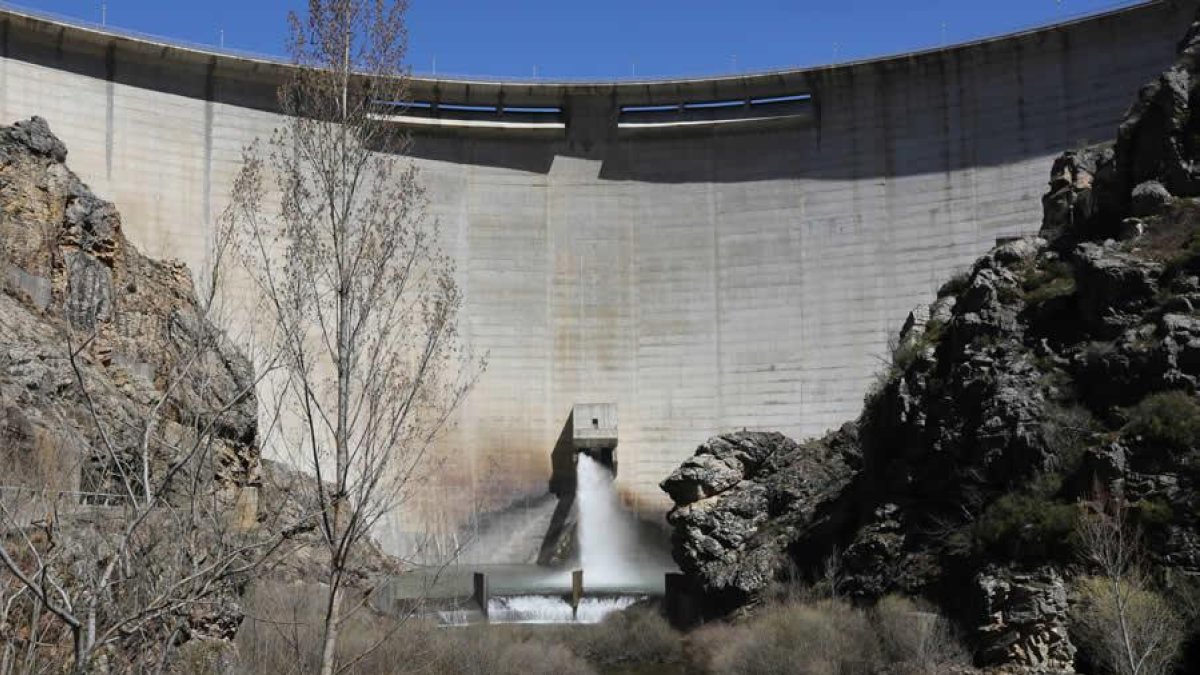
(702, 276)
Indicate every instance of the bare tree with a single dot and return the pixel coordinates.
(1129, 627)
(365, 302)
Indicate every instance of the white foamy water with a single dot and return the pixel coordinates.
(454, 617)
(608, 539)
(551, 609)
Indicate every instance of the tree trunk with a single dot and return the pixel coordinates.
(6, 661)
(35, 623)
(1126, 643)
(333, 617)
(333, 613)
(81, 651)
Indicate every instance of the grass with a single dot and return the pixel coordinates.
(797, 635)
(1172, 237)
(904, 352)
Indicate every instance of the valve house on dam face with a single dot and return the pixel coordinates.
(701, 255)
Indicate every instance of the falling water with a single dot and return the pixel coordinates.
(541, 609)
(608, 537)
(546, 609)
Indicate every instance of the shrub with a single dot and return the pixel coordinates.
(1008, 293)
(637, 635)
(1119, 621)
(955, 285)
(282, 633)
(532, 658)
(1054, 279)
(1027, 526)
(898, 636)
(1172, 236)
(1170, 419)
(1068, 433)
(905, 351)
(821, 637)
(1153, 513)
(486, 652)
(204, 657)
(915, 640)
(1183, 591)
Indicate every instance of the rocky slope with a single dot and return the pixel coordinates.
(1058, 367)
(104, 352)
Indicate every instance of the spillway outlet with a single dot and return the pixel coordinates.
(594, 432)
(605, 456)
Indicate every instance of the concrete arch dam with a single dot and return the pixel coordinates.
(706, 254)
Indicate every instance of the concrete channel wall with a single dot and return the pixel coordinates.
(703, 269)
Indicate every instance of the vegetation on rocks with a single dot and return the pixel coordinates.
(1169, 419)
(1020, 526)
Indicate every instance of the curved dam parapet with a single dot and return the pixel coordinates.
(706, 254)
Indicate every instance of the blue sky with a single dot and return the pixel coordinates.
(599, 39)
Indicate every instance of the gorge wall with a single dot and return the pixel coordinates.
(703, 276)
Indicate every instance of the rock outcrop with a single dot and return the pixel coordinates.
(1060, 366)
(74, 285)
(1026, 619)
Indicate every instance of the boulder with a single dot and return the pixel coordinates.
(1154, 141)
(1114, 286)
(35, 135)
(1148, 198)
(1080, 189)
(722, 462)
(744, 498)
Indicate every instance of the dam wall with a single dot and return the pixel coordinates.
(708, 254)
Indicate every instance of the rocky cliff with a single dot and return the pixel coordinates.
(1058, 367)
(73, 286)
